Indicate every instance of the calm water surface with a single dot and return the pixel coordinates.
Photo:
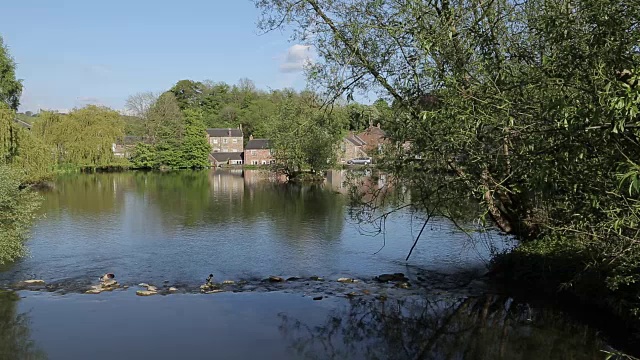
(182, 226)
(176, 228)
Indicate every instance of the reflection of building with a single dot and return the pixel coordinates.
(226, 184)
(225, 140)
(336, 179)
(258, 152)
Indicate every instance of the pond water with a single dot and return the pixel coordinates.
(173, 229)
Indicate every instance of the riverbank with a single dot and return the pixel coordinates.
(572, 276)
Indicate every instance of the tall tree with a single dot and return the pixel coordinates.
(195, 148)
(530, 107)
(139, 104)
(165, 121)
(10, 87)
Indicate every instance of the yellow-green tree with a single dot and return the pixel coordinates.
(83, 138)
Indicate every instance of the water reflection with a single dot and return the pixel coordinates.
(488, 327)
(15, 336)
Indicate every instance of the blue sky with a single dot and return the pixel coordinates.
(74, 52)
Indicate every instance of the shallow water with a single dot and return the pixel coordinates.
(121, 325)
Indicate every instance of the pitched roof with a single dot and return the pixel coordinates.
(224, 132)
(257, 144)
(355, 140)
(223, 157)
(23, 124)
(373, 130)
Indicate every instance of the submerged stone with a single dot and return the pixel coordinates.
(146, 293)
(391, 277)
(293, 278)
(346, 280)
(316, 278)
(30, 283)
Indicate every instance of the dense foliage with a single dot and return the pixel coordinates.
(83, 138)
(173, 138)
(529, 107)
(10, 87)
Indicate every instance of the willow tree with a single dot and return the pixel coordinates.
(529, 107)
(82, 138)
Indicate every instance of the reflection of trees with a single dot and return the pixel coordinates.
(15, 342)
(193, 198)
(86, 193)
(297, 210)
(487, 327)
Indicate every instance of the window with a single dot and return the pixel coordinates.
(215, 140)
(253, 152)
(264, 162)
(254, 162)
(235, 141)
(224, 141)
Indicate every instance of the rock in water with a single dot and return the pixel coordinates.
(316, 278)
(404, 285)
(145, 293)
(275, 279)
(346, 280)
(173, 289)
(391, 277)
(107, 284)
(107, 276)
(317, 298)
(152, 288)
(93, 291)
(293, 278)
(30, 283)
(228, 282)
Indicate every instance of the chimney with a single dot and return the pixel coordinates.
(250, 137)
(228, 132)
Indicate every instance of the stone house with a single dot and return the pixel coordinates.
(351, 147)
(375, 138)
(225, 158)
(124, 147)
(258, 152)
(226, 140)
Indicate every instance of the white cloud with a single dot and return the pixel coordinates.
(88, 100)
(298, 56)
